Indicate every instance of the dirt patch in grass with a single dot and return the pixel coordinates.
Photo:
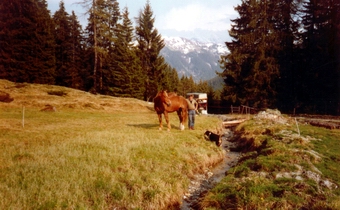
(324, 121)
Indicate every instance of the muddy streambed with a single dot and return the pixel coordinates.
(202, 183)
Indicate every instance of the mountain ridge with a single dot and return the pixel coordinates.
(194, 58)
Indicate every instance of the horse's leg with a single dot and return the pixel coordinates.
(182, 120)
(180, 116)
(160, 121)
(166, 116)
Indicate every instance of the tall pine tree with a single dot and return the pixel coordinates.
(171, 80)
(150, 43)
(108, 17)
(103, 19)
(92, 49)
(321, 56)
(63, 45)
(26, 41)
(76, 67)
(127, 74)
(69, 49)
(251, 68)
(286, 21)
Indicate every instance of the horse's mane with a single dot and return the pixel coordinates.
(158, 104)
(168, 93)
(158, 94)
(172, 94)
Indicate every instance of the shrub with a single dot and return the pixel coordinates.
(5, 97)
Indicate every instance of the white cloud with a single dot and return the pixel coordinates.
(197, 16)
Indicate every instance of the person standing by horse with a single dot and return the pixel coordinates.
(192, 105)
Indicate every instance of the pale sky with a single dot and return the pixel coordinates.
(185, 18)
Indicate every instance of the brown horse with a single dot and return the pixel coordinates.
(165, 103)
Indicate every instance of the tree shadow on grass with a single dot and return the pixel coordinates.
(151, 108)
(145, 126)
(150, 126)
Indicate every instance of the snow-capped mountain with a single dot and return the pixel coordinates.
(193, 58)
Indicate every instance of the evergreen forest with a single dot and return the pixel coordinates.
(283, 54)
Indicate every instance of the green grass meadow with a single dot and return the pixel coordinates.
(102, 152)
(85, 159)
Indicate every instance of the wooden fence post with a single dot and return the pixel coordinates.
(23, 117)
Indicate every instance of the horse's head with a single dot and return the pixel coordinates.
(165, 98)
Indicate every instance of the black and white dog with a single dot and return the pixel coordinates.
(210, 136)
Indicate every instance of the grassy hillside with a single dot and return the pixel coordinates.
(94, 151)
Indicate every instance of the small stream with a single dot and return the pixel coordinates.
(202, 183)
